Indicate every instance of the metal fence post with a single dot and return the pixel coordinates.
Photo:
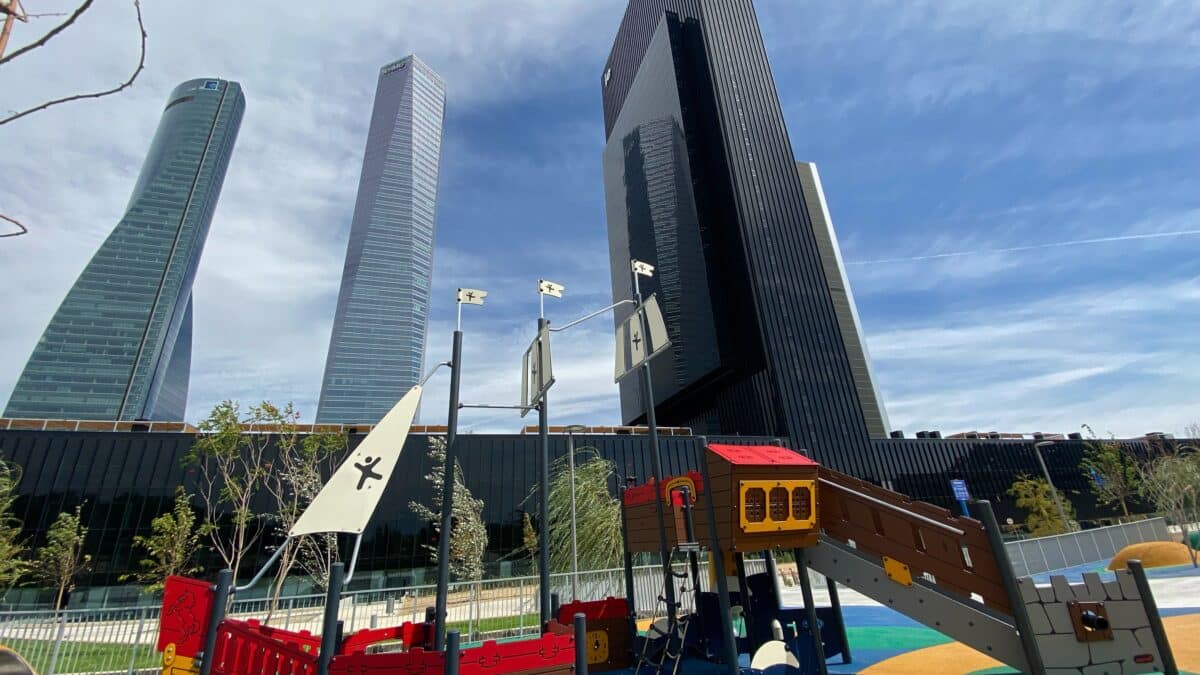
(329, 631)
(58, 638)
(137, 641)
(220, 600)
(452, 652)
(581, 652)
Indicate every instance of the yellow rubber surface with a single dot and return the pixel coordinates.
(956, 658)
(1152, 554)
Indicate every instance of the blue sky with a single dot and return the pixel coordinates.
(938, 127)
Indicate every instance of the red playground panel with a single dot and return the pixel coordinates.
(186, 607)
(249, 648)
(550, 654)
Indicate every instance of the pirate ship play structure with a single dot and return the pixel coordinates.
(948, 572)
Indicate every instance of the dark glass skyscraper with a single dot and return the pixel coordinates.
(120, 345)
(377, 349)
(700, 180)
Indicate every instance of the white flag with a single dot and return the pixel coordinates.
(347, 501)
(471, 296)
(550, 288)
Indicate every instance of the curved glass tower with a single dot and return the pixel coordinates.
(377, 349)
(119, 346)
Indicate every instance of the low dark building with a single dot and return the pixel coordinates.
(125, 479)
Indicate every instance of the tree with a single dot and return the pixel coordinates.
(61, 559)
(13, 566)
(171, 548)
(1171, 481)
(597, 514)
(529, 540)
(1111, 472)
(296, 475)
(1034, 496)
(468, 537)
(233, 468)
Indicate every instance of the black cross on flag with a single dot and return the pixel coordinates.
(639, 338)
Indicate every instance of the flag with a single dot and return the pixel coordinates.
(471, 296)
(550, 288)
(644, 269)
(347, 501)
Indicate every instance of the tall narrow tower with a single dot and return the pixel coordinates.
(119, 346)
(377, 349)
(700, 180)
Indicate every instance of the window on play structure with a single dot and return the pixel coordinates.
(755, 505)
(801, 503)
(777, 505)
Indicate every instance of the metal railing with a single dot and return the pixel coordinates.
(1062, 551)
(123, 640)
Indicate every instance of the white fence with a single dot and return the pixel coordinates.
(1045, 554)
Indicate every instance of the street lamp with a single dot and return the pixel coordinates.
(1037, 450)
(571, 431)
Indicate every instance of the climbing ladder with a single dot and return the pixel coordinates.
(666, 636)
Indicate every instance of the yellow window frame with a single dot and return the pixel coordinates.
(767, 524)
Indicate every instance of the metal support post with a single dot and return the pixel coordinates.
(544, 502)
(1156, 624)
(656, 458)
(555, 605)
(629, 586)
(1020, 613)
(452, 653)
(574, 539)
(689, 530)
(810, 610)
(444, 532)
(329, 629)
(717, 560)
(1062, 513)
(581, 651)
(220, 600)
(739, 561)
(836, 605)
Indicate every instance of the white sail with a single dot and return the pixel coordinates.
(347, 501)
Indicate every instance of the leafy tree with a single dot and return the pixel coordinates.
(172, 547)
(1171, 481)
(61, 559)
(294, 478)
(13, 566)
(232, 471)
(597, 514)
(1033, 495)
(468, 538)
(1111, 472)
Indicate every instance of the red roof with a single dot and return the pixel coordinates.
(759, 455)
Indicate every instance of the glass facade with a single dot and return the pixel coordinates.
(377, 349)
(119, 346)
(700, 181)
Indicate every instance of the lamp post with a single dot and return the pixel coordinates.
(1037, 450)
(571, 430)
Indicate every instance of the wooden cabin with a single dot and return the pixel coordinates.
(764, 497)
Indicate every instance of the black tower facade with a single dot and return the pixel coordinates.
(701, 181)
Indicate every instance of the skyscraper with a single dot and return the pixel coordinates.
(119, 346)
(700, 180)
(377, 349)
(849, 324)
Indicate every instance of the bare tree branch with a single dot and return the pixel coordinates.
(14, 221)
(46, 38)
(137, 5)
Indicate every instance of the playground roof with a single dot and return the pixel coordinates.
(758, 455)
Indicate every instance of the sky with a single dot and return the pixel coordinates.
(1014, 185)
